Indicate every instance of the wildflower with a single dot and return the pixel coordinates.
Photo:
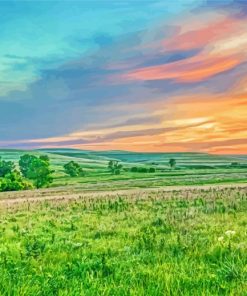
(242, 246)
(220, 239)
(230, 233)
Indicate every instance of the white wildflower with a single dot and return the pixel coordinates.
(230, 233)
(221, 238)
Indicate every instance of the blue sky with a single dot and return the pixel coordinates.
(37, 35)
(84, 73)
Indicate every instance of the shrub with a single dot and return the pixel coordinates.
(142, 170)
(13, 182)
(73, 169)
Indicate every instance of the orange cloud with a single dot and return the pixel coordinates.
(225, 130)
(190, 70)
(213, 123)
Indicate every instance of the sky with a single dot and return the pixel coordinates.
(137, 75)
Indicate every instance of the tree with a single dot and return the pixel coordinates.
(151, 170)
(73, 169)
(36, 169)
(142, 170)
(14, 181)
(25, 163)
(134, 169)
(172, 163)
(115, 167)
(6, 167)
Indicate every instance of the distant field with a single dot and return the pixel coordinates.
(178, 242)
(191, 169)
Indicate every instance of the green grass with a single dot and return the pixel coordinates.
(153, 243)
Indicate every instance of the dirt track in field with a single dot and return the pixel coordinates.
(63, 194)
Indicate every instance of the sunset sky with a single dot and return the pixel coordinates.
(159, 76)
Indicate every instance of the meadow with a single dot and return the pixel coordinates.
(178, 242)
(175, 231)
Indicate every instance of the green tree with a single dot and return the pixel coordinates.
(115, 167)
(6, 167)
(36, 169)
(73, 169)
(142, 170)
(14, 181)
(172, 163)
(134, 169)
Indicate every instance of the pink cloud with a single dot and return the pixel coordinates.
(198, 38)
(190, 70)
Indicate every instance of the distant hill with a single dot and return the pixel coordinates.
(183, 159)
(98, 159)
(191, 168)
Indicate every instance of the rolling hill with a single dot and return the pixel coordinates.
(191, 168)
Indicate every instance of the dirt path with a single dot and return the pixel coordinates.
(56, 194)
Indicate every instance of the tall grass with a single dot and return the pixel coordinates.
(191, 242)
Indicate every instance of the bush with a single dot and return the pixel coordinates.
(13, 182)
(73, 169)
(142, 170)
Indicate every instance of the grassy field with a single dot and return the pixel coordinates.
(191, 169)
(181, 242)
(88, 236)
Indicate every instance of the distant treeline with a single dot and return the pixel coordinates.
(142, 170)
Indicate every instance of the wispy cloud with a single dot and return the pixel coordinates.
(220, 46)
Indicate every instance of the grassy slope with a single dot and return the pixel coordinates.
(153, 244)
(193, 168)
(133, 157)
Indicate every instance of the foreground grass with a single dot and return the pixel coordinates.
(190, 242)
